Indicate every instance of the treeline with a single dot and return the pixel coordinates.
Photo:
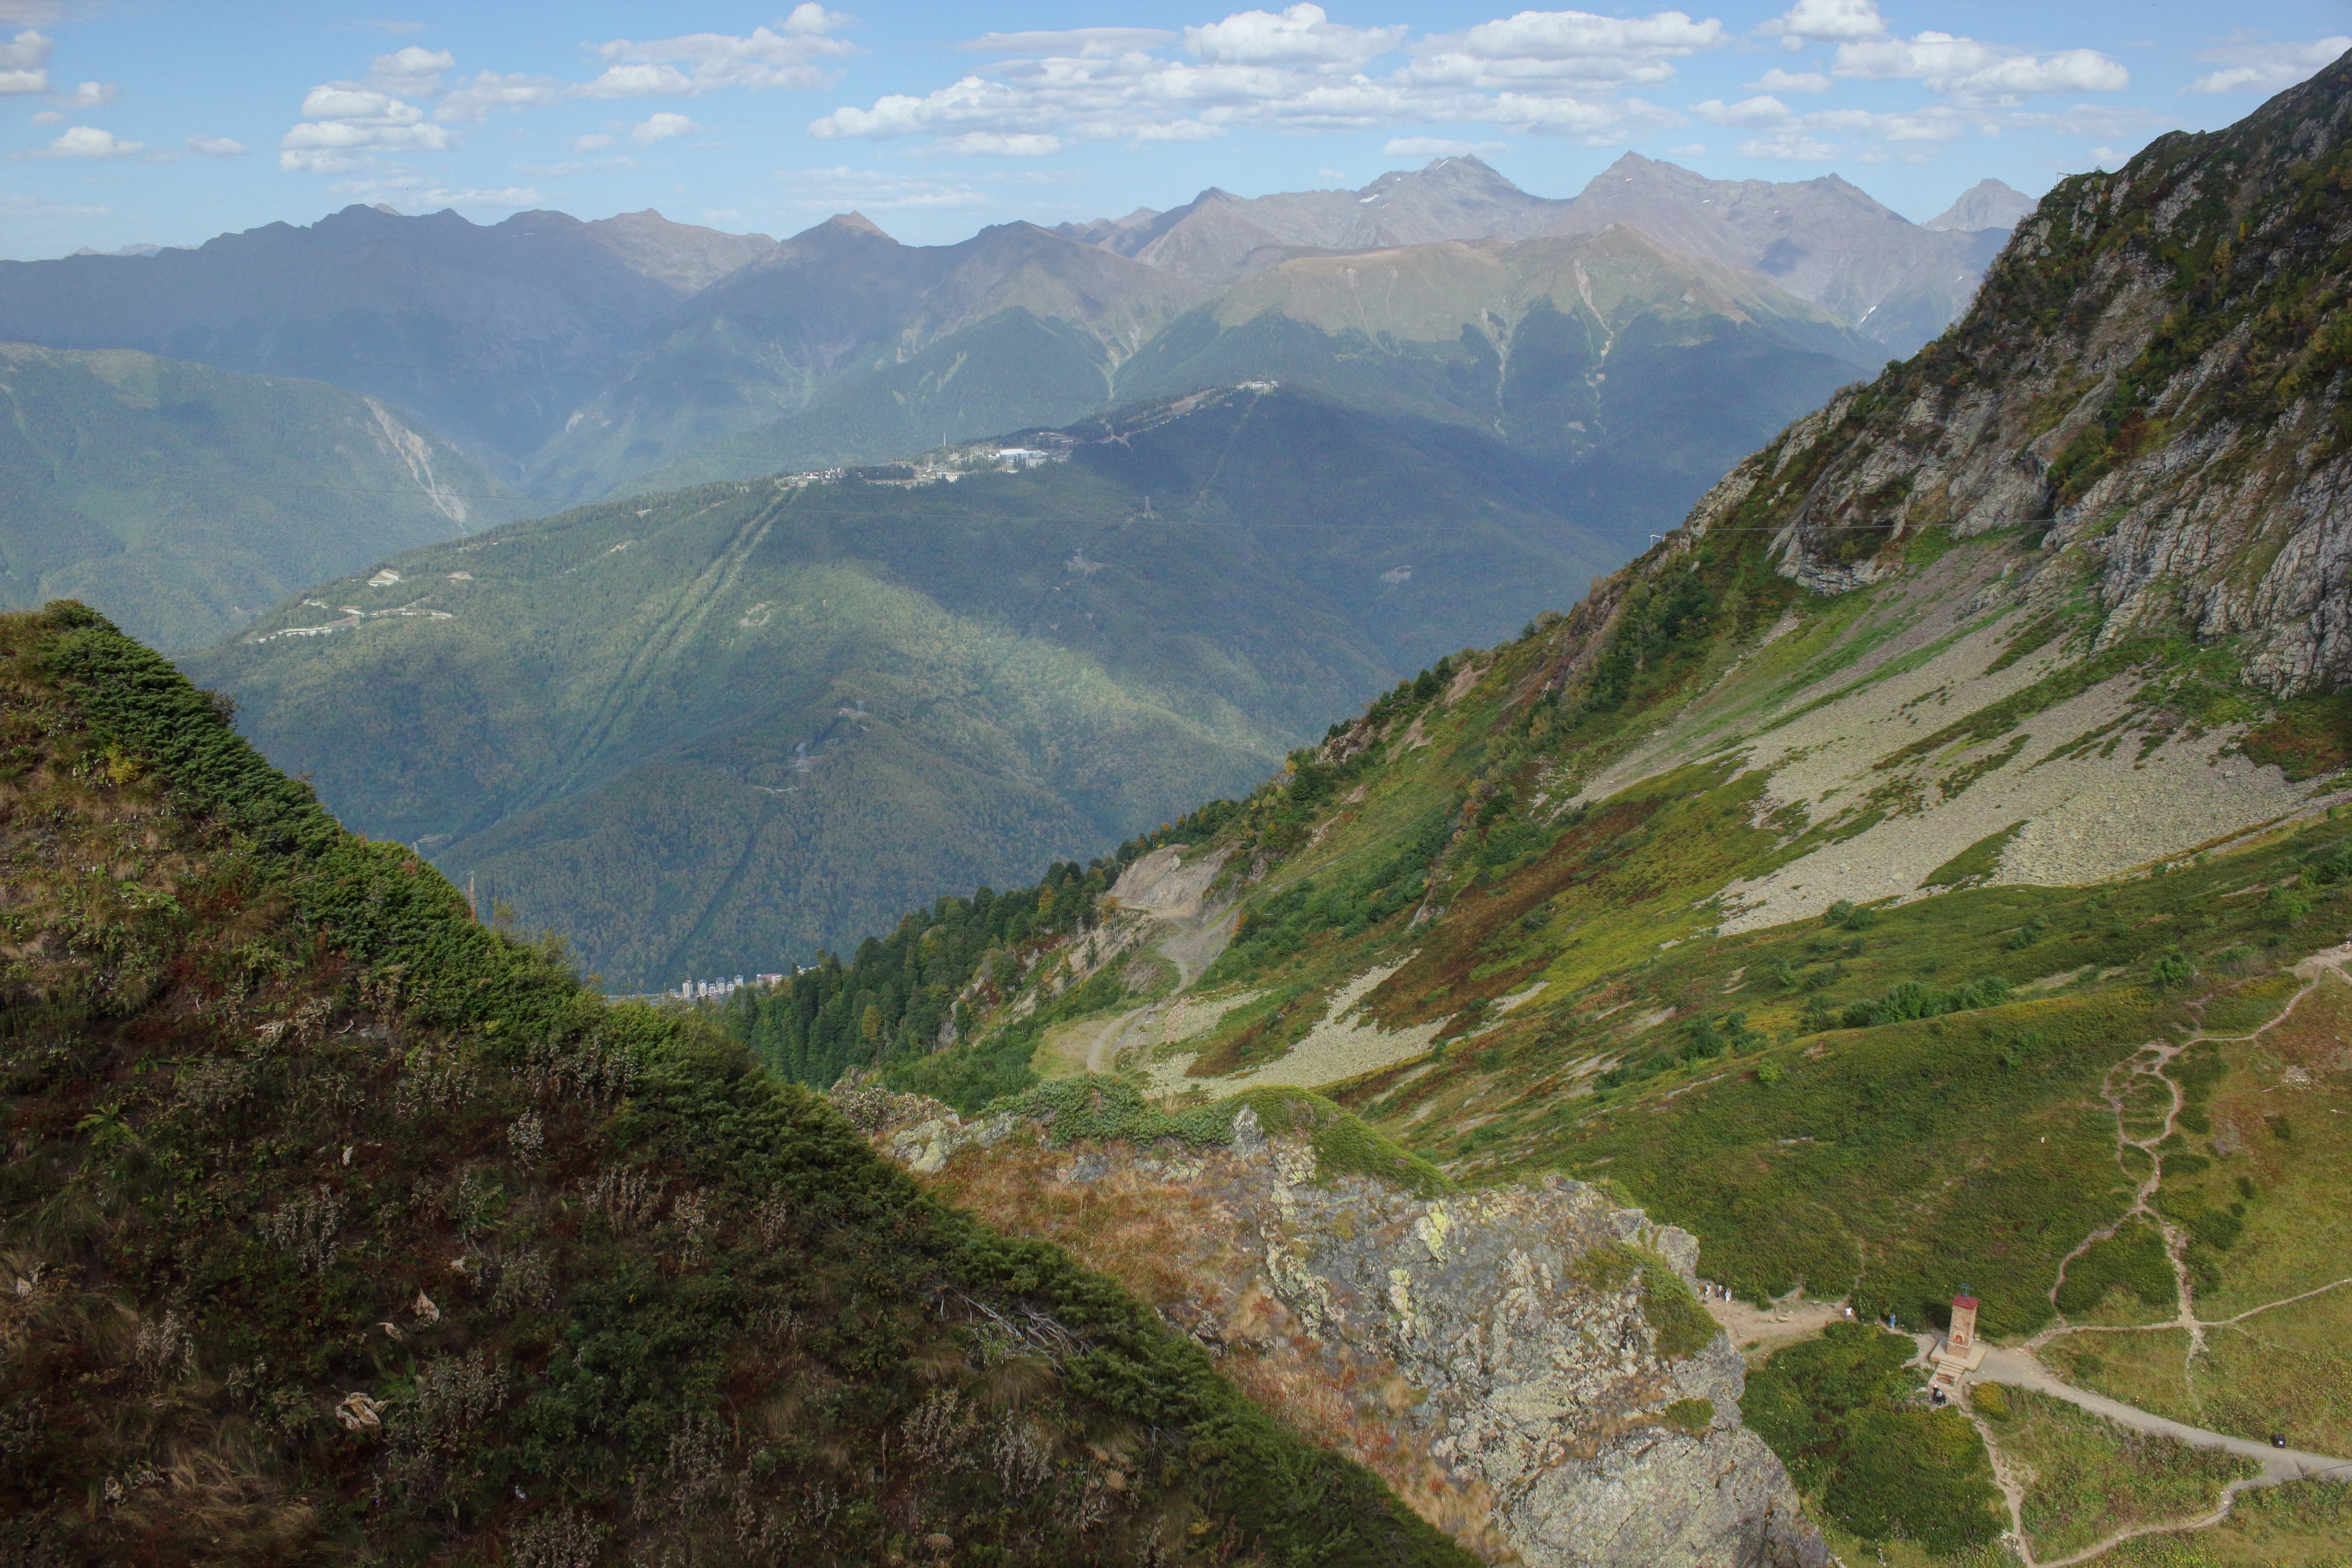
(933, 982)
(930, 982)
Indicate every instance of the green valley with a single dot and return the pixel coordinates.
(725, 726)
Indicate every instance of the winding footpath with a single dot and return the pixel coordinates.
(2125, 1090)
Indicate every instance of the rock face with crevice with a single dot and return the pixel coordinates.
(2153, 375)
(1501, 1353)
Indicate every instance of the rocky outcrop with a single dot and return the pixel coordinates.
(2153, 378)
(1528, 1366)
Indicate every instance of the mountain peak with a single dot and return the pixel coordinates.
(1988, 204)
(852, 222)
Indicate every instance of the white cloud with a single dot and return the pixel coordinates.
(595, 141)
(1778, 81)
(217, 147)
(2253, 66)
(1299, 36)
(1971, 72)
(411, 72)
(711, 61)
(1789, 147)
(1764, 110)
(662, 127)
(1826, 21)
(1565, 45)
(347, 124)
(85, 142)
(1798, 137)
(337, 146)
(1555, 72)
(721, 215)
(350, 100)
(996, 144)
(1084, 42)
(471, 102)
(1439, 147)
(24, 62)
(50, 117)
(1696, 150)
(92, 95)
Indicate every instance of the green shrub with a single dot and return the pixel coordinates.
(1837, 1411)
(1684, 1327)
(1918, 1476)
(1690, 1417)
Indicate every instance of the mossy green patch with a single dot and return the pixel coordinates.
(2308, 737)
(1977, 863)
(1684, 1327)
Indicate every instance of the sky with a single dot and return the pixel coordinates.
(159, 122)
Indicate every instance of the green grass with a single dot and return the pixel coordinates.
(2308, 737)
(2091, 1478)
(1974, 864)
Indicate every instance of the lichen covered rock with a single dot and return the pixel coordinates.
(1528, 1366)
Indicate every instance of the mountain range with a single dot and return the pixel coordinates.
(573, 357)
(1572, 388)
(490, 335)
(708, 728)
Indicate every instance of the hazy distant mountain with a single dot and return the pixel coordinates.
(492, 334)
(719, 726)
(1014, 326)
(181, 501)
(1822, 240)
(1632, 373)
(1988, 204)
(1218, 238)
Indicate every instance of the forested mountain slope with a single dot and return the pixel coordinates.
(338, 1226)
(187, 499)
(720, 727)
(1926, 870)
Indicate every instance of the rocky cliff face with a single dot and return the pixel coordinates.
(1528, 1366)
(2153, 373)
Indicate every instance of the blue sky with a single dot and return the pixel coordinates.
(155, 120)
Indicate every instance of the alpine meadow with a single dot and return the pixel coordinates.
(1402, 872)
